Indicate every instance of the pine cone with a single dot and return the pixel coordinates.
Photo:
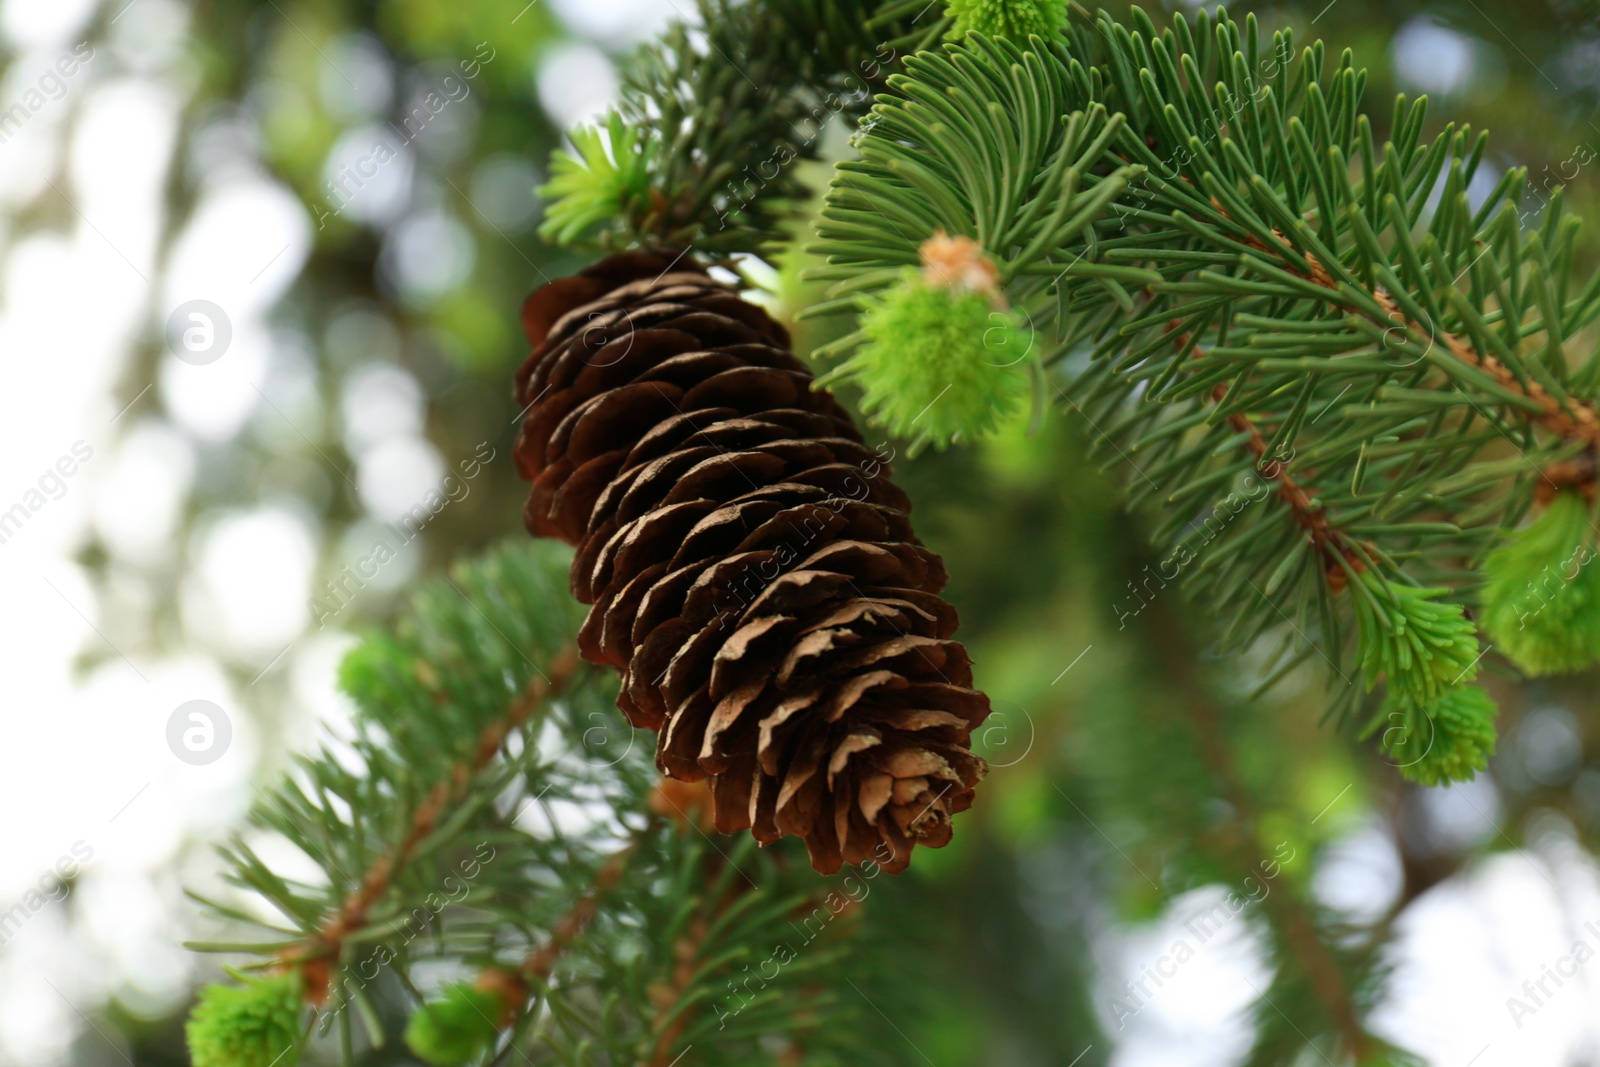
(751, 568)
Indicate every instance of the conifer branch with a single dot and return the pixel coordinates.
(714, 117)
(471, 710)
(1339, 558)
(1226, 254)
(538, 964)
(317, 954)
(513, 988)
(1570, 418)
(1272, 255)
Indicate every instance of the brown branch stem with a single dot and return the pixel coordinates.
(1579, 423)
(1330, 543)
(541, 961)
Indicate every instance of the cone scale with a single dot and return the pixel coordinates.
(750, 567)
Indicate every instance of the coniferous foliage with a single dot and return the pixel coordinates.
(1258, 296)
(711, 127)
(444, 838)
(1352, 404)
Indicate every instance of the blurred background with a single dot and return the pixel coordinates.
(259, 272)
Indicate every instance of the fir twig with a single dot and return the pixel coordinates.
(315, 956)
(1339, 558)
(1573, 419)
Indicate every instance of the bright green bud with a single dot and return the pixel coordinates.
(1421, 645)
(457, 1027)
(938, 364)
(1450, 740)
(256, 1024)
(593, 186)
(941, 359)
(1541, 599)
(1015, 19)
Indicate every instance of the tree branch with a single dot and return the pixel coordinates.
(1580, 423)
(319, 953)
(1331, 544)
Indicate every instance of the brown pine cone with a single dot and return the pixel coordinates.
(751, 567)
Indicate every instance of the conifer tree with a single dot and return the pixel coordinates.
(1351, 411)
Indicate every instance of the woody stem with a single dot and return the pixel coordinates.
(1331, 544)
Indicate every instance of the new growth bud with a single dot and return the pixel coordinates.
(1421, 645)
(1016, 19)
(256, 1024)
(943, 357)
(1541, 591)
(1450, 740)
(465, 1020)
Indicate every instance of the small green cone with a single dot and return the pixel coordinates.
(256, 1024)
(1015, 19)
(1421, 645)
(1541, 591)
(1448, 741)
(939, 364)
(462, 1023)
